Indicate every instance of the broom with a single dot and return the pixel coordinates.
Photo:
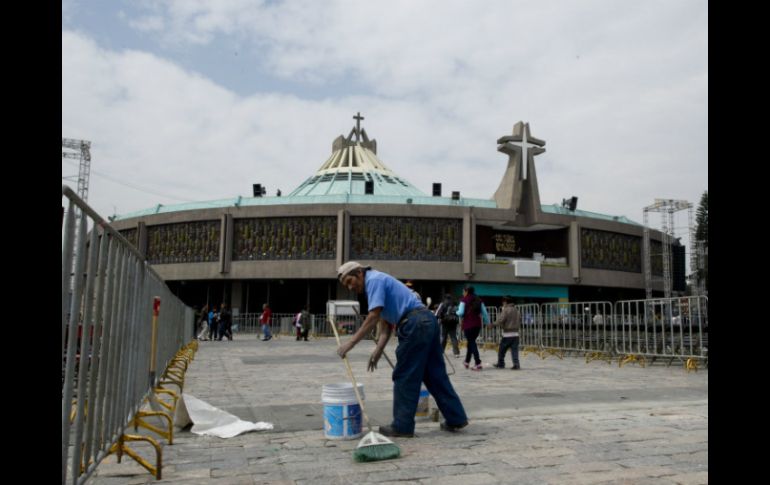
(373, 446)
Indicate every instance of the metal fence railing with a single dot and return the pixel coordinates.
(666, 328)
(283, 324)
(107, 310)
(635, 330)
(575, 327)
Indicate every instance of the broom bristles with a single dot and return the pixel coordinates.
(375, 447)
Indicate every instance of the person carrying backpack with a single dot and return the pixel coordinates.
(447, 317)
(473, 312)
(304, 322)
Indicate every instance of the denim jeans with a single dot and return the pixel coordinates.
(505, 344)
(471, 334)
(449, 331)
(419, 358)
(266, 330)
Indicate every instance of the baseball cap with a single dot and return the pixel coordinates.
(346, 268)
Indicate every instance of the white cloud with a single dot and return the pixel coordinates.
(617, 90)
(150, 23)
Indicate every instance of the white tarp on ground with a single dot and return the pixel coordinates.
(211, 421)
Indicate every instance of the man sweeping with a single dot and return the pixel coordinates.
(418, 356)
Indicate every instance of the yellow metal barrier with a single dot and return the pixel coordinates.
(490, 346)
(174, 396)
(174, 374)
(120, 448)
(599, 356)
(557, 352)
(640, 359)
(141, 423)
(539, 351)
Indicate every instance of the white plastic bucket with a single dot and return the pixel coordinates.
(342, 414)
(423, 405)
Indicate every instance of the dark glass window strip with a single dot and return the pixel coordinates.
(131, 234)
(187, 242)
(610, 251)
(406, 238)
(285, 238)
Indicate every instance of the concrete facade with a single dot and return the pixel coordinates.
(518, 209)
(468, 269)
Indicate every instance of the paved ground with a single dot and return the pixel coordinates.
(553, 422)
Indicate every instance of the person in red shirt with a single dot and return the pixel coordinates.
(265, 319)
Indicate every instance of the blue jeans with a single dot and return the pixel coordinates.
(505, 344)
(419, 358)
(266, 330)
(472, 350)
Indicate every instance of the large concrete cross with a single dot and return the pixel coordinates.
(358, 119)
(522, 142)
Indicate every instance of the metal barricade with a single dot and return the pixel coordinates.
(531, 332)
(490, 335)
(667, 328)
(577, 327)
(108, 363)
(556, 334)
(598, 340)
(247, 323)
(283, 323)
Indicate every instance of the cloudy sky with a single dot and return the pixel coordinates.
(190, 100)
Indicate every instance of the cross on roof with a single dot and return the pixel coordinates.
(358, 119)
(523, 141)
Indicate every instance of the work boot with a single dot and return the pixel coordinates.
(389, 431)
(453, 428)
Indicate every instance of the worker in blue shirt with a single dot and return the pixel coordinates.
(419, 357)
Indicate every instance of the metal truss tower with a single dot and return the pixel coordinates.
(666, 207)
(83, 154)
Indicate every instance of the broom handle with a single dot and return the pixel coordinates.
(350, 373)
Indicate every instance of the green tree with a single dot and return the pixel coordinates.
(702, 233)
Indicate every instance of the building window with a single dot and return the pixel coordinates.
(188, 242)
(406, 238)
(279, 238)
(132, 236)
(611, 251)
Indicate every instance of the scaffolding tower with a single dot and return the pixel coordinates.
(83, 154)
(666, 207)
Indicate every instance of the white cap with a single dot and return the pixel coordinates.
(346, 268)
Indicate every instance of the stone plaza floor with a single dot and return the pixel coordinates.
(555, 421)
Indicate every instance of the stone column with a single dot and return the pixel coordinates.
(469, 242)
(343, 237)
(141, 238)
(226, 243)
(574, 250)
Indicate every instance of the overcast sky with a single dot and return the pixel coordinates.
(192, 100)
